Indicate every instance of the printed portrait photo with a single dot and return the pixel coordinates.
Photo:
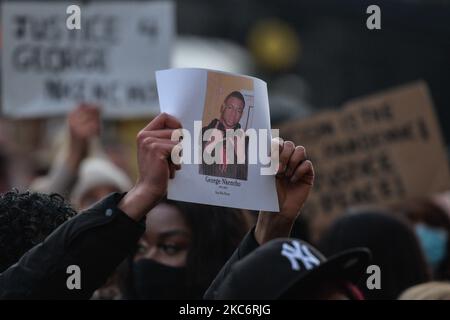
(228, 106)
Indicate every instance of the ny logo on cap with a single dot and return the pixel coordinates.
(299, 252)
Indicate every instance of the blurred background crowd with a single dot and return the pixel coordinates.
(314, 55)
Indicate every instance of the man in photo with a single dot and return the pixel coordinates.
(231, 112)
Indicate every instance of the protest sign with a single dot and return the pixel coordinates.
(48, 68)
(207, 103)
(375, 150)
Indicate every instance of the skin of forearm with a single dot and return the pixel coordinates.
(138, 202)
(272, 225)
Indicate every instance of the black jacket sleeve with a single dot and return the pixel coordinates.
(96, 241)
(247, 245)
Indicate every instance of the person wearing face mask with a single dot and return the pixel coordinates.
(184, 246)
(98, 240)
(214, 233)
(432, 226)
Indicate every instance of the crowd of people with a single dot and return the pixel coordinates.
(131, 242)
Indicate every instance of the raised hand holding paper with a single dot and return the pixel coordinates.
(226, 138)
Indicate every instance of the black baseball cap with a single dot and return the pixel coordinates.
(289, 268)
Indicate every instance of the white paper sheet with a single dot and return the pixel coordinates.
(198, 95)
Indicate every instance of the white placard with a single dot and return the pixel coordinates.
(198, 98)
(47, 69)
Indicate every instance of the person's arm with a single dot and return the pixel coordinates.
(294, 180)
(83, 127)
(95, 241)
(100, 238)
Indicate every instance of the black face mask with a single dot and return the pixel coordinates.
(155, 281)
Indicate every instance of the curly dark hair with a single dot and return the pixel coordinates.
(26, 219)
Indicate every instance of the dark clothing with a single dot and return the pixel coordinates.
(247, 245)
(277, 271)
(96, 241)
(230, 170)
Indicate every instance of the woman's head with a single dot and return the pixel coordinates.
(182, 250)
(394, 246)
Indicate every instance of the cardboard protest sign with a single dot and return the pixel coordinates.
(48, 68)
(218, 168)
(375, 150)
